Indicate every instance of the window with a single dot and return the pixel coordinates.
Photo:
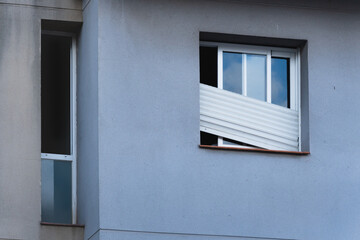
(250, 96)
(58, 128)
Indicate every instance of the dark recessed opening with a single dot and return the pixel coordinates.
(252, 40)
(208, 65)
(55, 94)
(208, 139)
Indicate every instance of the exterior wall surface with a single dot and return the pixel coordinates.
(20, 114)
(63, 4)
(87, 99)
(154, 180)
(61, 233)
(141, 174)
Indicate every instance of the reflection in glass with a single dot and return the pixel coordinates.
(227, 141)
(232, 72)
(256, 76)
(280, 94)
(56, 191)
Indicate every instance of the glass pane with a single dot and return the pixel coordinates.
(232, 72)
(227, 141)
(55, 94)
(256, 76)
(56, 191)
(280, 93)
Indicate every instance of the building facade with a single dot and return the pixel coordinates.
(206, 119)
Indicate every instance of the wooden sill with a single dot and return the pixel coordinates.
(254, 150)
(61, 224)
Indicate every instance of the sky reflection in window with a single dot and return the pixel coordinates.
(280, 81)
(232, 72)
(256, 76)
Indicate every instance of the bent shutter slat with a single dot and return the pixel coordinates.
(248, 120)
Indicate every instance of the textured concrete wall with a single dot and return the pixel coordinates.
(61, 233)
(20, 178)
(108, 234)
(95, 236)
(65, 4)
(153, 176)
(88, 161)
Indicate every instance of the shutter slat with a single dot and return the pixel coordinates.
(247, 120)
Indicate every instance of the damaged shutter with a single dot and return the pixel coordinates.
(251, 121)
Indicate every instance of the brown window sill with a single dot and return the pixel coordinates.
(61, 224)
(254, 150)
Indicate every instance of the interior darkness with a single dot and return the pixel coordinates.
(288, 83)
(252, 40)
(60, 26)
(208, 76)
(55, 94)
(208, 139)
(208, 65)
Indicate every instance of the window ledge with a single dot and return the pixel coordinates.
(62, 224)
(254, 150)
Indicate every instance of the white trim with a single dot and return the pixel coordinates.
(247, 48)
(221, 144)
(220, 68)
(282, 54)
(298, 91)
(293, 84)
(61, 157)
(220, 82)
(268, 77)
(244, 75)
(221, 141)
(73, 82)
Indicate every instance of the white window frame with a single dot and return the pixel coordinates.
(291, 53)
(73, 122)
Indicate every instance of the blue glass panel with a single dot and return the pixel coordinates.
(256, 76)
(232, 72)
(56, 191)
(280, 82)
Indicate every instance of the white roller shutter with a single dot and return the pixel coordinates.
(248, 120)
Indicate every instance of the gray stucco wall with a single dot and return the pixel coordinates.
(20, 120)
(88, 157)
(154, 178)
(141, 174)
(63, 4)
(61, 233)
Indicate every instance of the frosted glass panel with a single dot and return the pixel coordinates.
(56, 191)
(256, 76)
(280, 94)
(232, 72)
